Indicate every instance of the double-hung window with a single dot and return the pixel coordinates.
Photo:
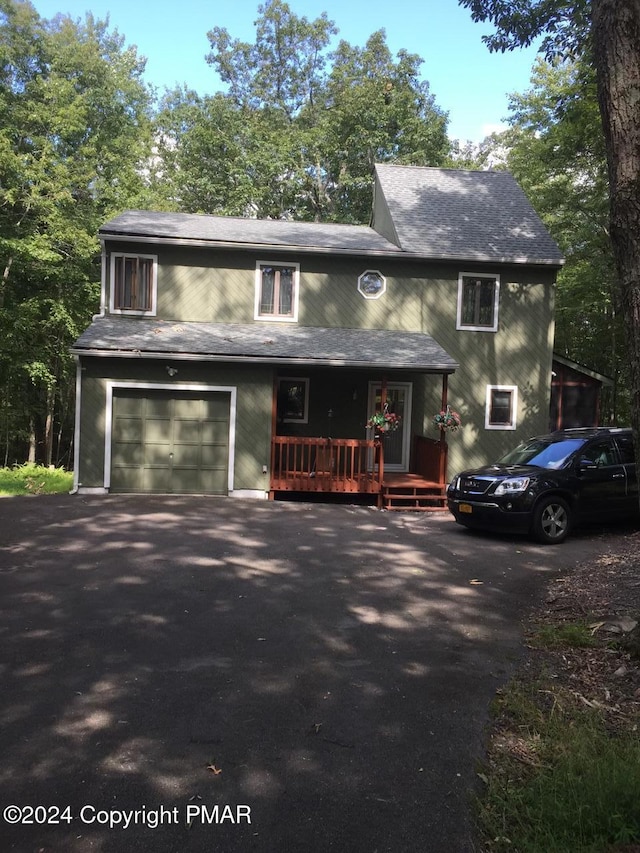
(478, 300)
(277, 291)
(501, 407)
(133, 283)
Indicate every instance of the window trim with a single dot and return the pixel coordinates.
(277, 318)
(379, 293)
(495, 277)
(514, 407)
(304, 382)
(151, 312)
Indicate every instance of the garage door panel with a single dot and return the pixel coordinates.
(215, 456)
(127, 453)
(213, 480)
(157, 479)
(216, 408)
(157, 431)
(129, 429)
(127, 479)
(160, 406)
(158, 454)
(186, 454)
(186, 431)
(215, 432)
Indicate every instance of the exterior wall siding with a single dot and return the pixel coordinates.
(209, 285)
(253, 418)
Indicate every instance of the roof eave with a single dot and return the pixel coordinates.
(253, 359)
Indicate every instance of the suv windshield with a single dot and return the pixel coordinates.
(545, 453)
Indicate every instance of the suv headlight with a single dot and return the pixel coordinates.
(513, 486)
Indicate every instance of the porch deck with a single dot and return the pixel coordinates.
(356, 466)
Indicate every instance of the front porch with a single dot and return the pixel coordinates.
(342, 466)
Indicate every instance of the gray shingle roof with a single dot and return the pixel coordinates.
(464, 215)
(272, 233)
(266, 343)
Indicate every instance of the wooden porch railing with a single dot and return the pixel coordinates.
(430, 458)
(324, 465)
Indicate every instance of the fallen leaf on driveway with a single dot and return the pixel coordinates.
(476, 582)
(215, 770)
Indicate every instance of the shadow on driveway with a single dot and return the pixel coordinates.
(327, 667)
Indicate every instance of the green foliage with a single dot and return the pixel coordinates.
(555, 148)
(75, 130)
(565, 783)
(299, 129)
(575, 635)
(35, 480)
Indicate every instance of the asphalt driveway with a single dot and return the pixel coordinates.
(323, 672)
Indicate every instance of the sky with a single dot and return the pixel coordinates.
(467, 81)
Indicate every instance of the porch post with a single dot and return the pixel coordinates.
(383, 401)
(274, 426)
(442, 460)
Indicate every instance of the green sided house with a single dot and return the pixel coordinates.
(245, 357)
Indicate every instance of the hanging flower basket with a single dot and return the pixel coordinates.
(384, 421)
(447, 420)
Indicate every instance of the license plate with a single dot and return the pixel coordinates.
(465, 508)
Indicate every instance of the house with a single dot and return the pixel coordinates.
(244, 357)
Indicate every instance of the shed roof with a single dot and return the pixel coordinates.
(265, 343)
(463, 215)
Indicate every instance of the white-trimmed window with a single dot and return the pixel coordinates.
(277, 288)
(478, 300)
(502, 407)
(134, 283)
(372, 284)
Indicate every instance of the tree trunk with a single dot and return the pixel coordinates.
(616, 42)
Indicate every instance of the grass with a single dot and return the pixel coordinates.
(560, 780)
(577, 635)
(31, 479)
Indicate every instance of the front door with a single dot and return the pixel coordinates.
(396, 444)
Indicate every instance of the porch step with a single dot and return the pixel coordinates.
(412, 493)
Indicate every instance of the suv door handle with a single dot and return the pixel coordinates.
(617, 476)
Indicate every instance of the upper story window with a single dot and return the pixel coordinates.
(277, 288)
(372, 284)
(133, 283)
(478, 299)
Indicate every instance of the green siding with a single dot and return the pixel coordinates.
(218, 286)
(253, 411)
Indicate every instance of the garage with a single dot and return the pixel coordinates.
(170, 443)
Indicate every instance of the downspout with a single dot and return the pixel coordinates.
(76, 432)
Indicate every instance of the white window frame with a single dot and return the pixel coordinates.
(514, 407)
(277, 318)
(463, 327)
(112, 285)
(382, 290)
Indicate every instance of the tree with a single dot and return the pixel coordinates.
(608, 33)
(299, 129)
(74, 133)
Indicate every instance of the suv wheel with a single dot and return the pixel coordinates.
(551, 520)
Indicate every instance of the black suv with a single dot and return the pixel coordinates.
(549, 483)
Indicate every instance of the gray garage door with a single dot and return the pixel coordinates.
(170, 443)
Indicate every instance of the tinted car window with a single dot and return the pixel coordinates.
(625, 446)
(600, 453)
(544, 454)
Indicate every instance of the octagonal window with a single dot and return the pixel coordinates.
(372, 284)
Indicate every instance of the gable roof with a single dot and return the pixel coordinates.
(230, 232)
(460, 215)
(266, 343)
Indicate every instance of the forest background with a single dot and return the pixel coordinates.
(293, 134)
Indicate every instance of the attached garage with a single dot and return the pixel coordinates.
(170, 442)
